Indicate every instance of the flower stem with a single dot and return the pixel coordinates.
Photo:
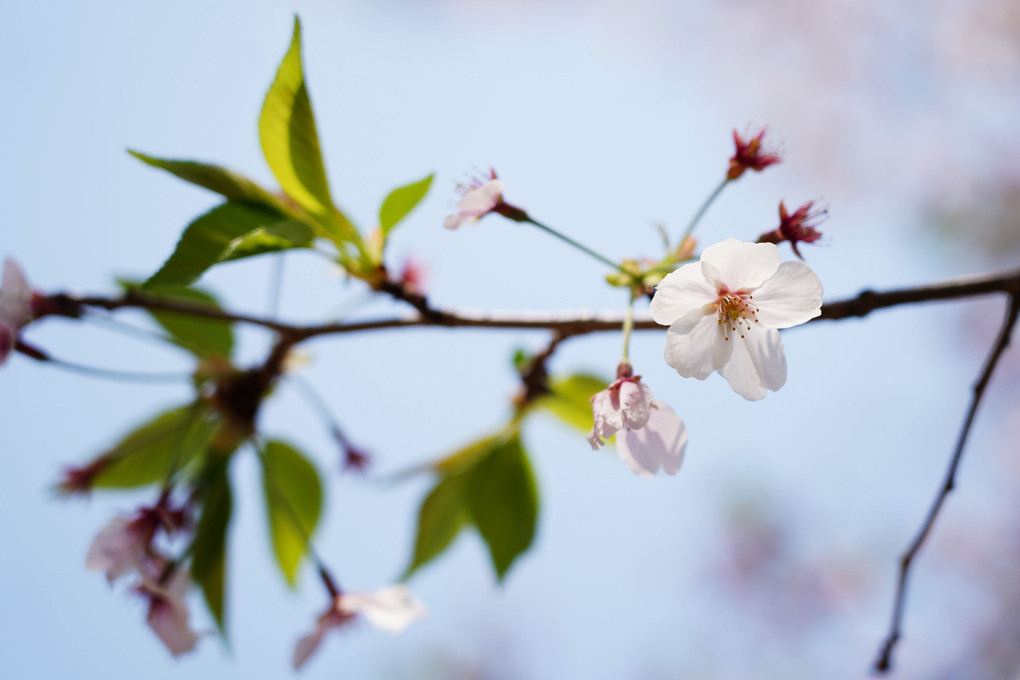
(704, 208)
(628, 326)
(582, 248)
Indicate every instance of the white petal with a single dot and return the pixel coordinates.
(695, 354)
(595, 441)
(606, 413)
(659, 444)
(789, 297)
(766, 348)
(741, 266)
(453, 221)
(742, 373)
(635, 403)
(483, 199)
(682, 292)
(391, 609)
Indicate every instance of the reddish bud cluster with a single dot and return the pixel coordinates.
(796, 227)
(750, 154)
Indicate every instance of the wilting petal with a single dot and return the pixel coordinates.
(698, 352)
(307, 645)
(740, 266)
(635, 403)
(115, 549)
(659, 444)
(682, 292)
(168, 614)
(392, 608)
(791, 296)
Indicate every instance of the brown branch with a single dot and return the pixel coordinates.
(884, 661)
(564, 323)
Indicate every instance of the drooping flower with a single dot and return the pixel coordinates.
(626, 404)
(750, 154)
(168, 610)
(660, 444)
(725, 311)
(796, 227)
(481, 197)
(392, 609)
(124, 545)
(118, 547)
(650, 435)
(15, 306)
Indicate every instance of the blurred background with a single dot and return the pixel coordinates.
(771, 555)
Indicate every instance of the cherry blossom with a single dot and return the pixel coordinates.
(626, 404)
(725, 311)
(391, 609)
(651, 435)
(750, 154)
(481, 197)
(15, 306)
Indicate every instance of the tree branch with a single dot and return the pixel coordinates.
(884, 661)
(566, 324)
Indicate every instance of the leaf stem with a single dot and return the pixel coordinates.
(583, 248)
(704, 208)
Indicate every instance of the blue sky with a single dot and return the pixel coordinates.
(598, 128)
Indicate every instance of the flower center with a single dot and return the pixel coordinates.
(736, 312)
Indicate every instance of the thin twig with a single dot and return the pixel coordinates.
(884, 662)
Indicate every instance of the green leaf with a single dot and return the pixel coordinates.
(570, 399)
(503, 501)
(288, 135)
(293, 494)
(226, 183)
(201, 336)
(209, 547)
(150, 452)
(401, 202)
(215, 236)
(442, 516)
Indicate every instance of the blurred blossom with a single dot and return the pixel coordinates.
(392, 609)
(479, 199)
(15, 306)
(168, 611)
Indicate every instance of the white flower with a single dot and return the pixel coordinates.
(168, 611)
(725, 311)
(15, 306)
(625, 404)
(659, 444)
(651, 435)
(478, 200)
(392, 609)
